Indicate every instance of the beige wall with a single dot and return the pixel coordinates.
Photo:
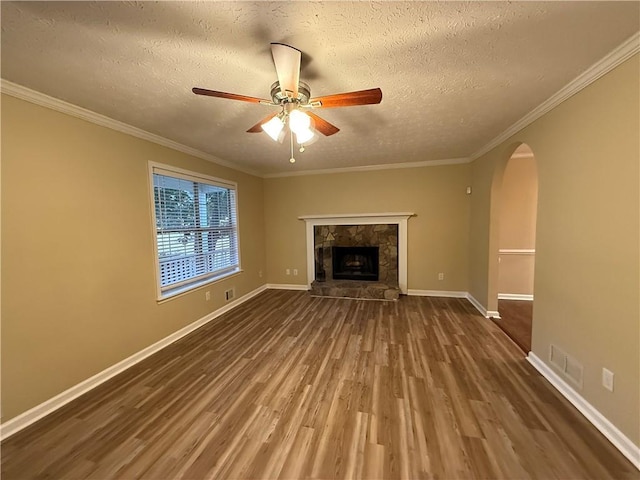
(78, 284)
(587, 284)
(519, 198)
(77, 273)
(437, 235)
(518, 206)
(516, 274)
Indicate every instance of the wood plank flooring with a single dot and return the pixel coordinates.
(290, 386)
(516, 317)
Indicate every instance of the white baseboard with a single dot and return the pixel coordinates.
(25, 419)
(515, 296)
(478, 305)
(630, 450)
(286, 286)
(456, 294)
(485, 313)
(436, 293)
(610, 431)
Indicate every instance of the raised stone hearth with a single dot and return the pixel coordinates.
(355, 289)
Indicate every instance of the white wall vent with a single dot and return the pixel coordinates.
(574, 371)
(568, 366)
(557, 357)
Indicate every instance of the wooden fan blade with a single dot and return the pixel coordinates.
(362, 97)
(287, 62)
(257, 128)
(322, 125)
(230, 96)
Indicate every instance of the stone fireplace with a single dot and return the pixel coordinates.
(357, 256)
(382, 237)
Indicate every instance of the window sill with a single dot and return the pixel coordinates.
(185, 289)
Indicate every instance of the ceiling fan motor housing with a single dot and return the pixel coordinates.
(279, 97)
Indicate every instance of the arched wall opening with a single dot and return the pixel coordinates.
(514, 199)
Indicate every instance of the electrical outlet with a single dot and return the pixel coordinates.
(207, 295)
(607, 379)
(229, 294)
(260, 273)
(441, 276)
(295, 271)
(287, 271)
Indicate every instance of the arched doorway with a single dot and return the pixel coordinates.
(517, 209)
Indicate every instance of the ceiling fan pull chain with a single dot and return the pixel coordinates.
(292, 159)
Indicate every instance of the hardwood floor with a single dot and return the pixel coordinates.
(516, 317)
(290, 386)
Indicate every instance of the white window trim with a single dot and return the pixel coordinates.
(162, 296)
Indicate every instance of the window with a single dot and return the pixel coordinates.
(196, 229)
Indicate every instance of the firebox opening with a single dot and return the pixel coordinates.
(355, 263)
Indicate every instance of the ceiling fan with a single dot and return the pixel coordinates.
(293, 97)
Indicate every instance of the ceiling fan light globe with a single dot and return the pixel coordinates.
(299, 121)
(273, 128)
(304, 136)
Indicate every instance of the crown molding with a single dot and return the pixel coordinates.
(614, 58)
(369, 168)
(47, 101)
(43, 100)
(620, 54)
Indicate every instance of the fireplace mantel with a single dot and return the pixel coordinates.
(400, 219)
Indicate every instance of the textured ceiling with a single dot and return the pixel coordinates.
(454, 75)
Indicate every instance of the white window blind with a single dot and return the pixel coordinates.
(196, 228)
